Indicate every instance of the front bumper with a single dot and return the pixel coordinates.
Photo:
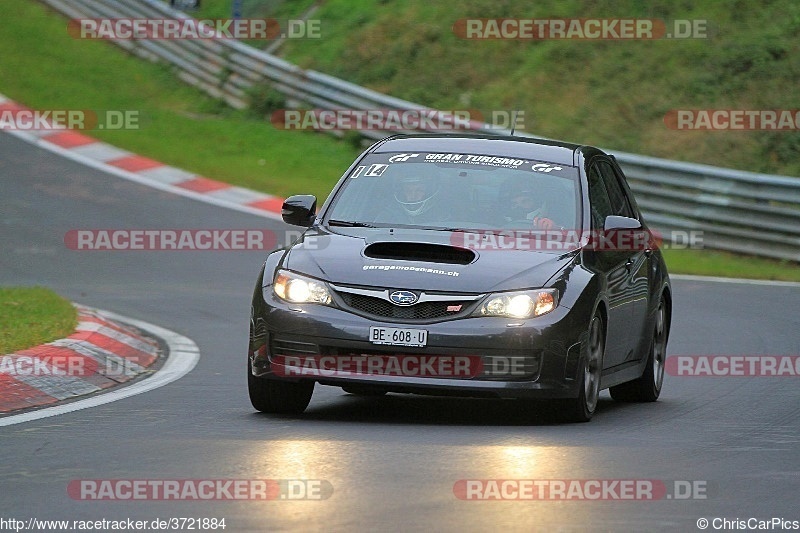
(506, 358)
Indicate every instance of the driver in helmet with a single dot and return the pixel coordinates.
(415, 194)
(523, 205)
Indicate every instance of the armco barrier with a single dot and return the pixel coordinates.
(738, 211)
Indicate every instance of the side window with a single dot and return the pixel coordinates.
(619, 203)
(598, 198)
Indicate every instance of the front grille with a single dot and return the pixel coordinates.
(422, 311)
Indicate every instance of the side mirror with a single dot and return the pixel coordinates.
(615, 222)
(623, 234)
(299, 210)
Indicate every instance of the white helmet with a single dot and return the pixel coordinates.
(415, 193)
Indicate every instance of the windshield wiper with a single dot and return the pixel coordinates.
(442, 228)
(350, 224)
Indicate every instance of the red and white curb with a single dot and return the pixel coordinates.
(133, 167)
(99, 355)
(106, 350)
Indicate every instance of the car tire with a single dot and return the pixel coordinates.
(364, 390)
(279, 397)
(582, 408)
(648, 387)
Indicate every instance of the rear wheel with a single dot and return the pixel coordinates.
(583, 407)
(274, 396)
(648, 387)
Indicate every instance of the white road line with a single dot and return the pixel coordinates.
(182, 358)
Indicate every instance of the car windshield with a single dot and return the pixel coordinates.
(457, 191)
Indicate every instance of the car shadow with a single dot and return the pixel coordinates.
(438, 410)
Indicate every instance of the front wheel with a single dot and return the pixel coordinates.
(582, 408)
(274, 396)
(648, 387)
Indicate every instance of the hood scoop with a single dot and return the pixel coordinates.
(416, 251)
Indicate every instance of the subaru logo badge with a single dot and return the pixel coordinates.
(403, 298)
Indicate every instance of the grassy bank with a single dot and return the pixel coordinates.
(609, 93)
(719, 263)
(30, 316)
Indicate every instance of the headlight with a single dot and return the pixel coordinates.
(297, 289)
(523, 304)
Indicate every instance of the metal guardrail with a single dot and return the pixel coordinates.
(734, 210)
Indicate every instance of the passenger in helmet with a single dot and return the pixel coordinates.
(522, 205)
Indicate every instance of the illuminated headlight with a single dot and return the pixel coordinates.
(298, 289)
(527, 304)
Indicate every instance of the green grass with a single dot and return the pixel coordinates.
(724, 264)
(30, 316)
(612, 94)
(43, 67)
(279, 10)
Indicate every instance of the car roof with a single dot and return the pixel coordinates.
(528, 147)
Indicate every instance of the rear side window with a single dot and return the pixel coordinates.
(598, 198)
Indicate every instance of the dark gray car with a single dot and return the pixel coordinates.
(465, 265)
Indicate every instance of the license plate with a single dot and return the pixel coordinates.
(398, 336)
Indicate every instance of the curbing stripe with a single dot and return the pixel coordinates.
(240, 195)
(87, 320)
(201, 184)
(169, 175)
(16, 395)
(69, 139)
(124, 164)
(109, 331)
(59, 370)
(182, 358)
(58, 387)
(100, 152)
(135, 163)
(109, 365)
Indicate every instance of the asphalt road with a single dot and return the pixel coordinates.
(392, 462)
